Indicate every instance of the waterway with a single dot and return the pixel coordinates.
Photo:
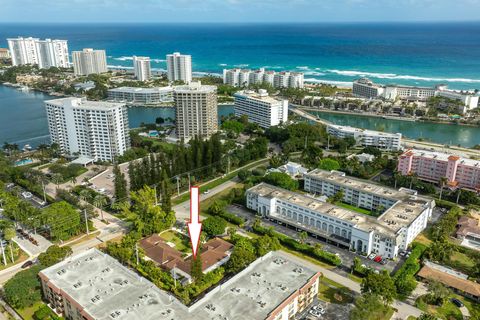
(23, 119)
(451, 134)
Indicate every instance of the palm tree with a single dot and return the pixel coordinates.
(458, 195)
(73, 180)
(84, 194)
(57, 178)
(443, 181)
(9, 234)
(100, 201)
(413, 177)
(302, 236)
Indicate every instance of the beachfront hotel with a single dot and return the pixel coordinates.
(141, 67)
(195, 110)
(141, 96)
(89, 61)
(43, 53)
(432, 166)
(94, 129)
(179, 67)
(4, 53)
(261, 108)
(245, 77)
(365, 88)
(396, 216)
(367, 138)
(92, 285)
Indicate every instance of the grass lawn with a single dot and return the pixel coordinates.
(181, 242)
(423, 239)
(22, 256)
(332, 292)
(354, 278)
(411, 318)
(447, 311)
(27, 313)
(462, 259)
(356, 209)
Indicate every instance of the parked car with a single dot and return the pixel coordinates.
(372, 256)
(384, 261)
(377, 259)
(27, 264)
(206, 191)
(457, 302)
(26, 195)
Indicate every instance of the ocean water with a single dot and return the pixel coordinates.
(414, 54)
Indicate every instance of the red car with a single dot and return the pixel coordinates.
(377, 259)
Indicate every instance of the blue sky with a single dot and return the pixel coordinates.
(237, 10)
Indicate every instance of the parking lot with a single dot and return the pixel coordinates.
(104, 182)
(344, 254)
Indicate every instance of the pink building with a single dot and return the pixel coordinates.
(431, 166)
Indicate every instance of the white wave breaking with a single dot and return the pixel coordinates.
(332, 82)
(352, 73)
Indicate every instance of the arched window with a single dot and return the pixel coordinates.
(337, 230)
(324, 226)
(330, 228)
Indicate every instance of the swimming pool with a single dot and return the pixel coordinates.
(23, 162)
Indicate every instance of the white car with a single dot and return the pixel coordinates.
(372, 256)
(206, 191)
(26, 195)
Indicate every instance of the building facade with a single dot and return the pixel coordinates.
(195, 110)
(365, 88)
(4, 53)
(89, 61)
(433, 166)
(468, 100)
(398, 216)
(92, 285)
(141, 67)
(98, 130)
(44, 53)
(141, 96)
(365, 138)
(179, 67)
(245, 77)
(260, 108)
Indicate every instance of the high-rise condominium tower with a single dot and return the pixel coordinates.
(196, 110)
(141, 66)
(44, 53)
(89, 61)
(94, 129)
(179, 67)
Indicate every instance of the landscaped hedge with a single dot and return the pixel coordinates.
(293, 244)
(405, 276)
(230, 217)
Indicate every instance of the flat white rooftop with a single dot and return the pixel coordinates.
(440, 156)
(258, 97)
(353, 130)
(83, 103)
(142, 90)
(251, 294)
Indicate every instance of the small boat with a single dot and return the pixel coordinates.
(27, 147)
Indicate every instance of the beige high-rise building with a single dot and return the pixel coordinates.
(89, 61)
(196, 110)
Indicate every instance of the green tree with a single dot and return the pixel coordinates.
(120, 184)
(442, 182)
(196, 268)
(62, 219)
(281, 180)
(438, 292)
(381, 285)
(368, 307)
(23, 290)
(265, 244)
(302, 236)
(427, 316)
(54, 255)
(214, 225)
(9, 234)
(329, 164)
(146, 216)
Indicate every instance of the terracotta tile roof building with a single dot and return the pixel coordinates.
(451, 278)
(213, 254)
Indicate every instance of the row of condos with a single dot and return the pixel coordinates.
(396, 216)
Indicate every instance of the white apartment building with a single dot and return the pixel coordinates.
(392, 92)
(402, 214)
(365, 138)
(179, 67)
(365, 88)
(468, 99)
(245, 77)
(44, 53)
(141, 96)
(195, 110)
(89, 61)
(141, 67)
(98, 130)
(92, 285)
(260, 108)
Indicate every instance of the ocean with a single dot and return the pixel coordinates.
(415, 53)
